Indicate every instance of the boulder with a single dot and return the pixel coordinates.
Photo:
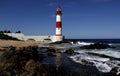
(113, 72)
(14, 56)
(51, 50)
(51, 54)
(13, 62)
(119, 74)
(70, 51)
(31, 66)
(24, 62)
(97, 46)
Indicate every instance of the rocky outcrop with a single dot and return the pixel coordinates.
(97, 46)
(25, 53)
(113, 72)
(70, 51)
(51, 50)
(12, 61)
(24, 62)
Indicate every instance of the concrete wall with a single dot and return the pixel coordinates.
(37, 38)
(21, 36)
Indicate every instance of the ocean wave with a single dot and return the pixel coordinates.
(109, 52)
(81, 43)
(102, 64)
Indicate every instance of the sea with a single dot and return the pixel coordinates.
(103, 59)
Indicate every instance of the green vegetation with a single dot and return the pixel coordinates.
(5, 31)
(6, 37)
(18, 32)
(8, 31)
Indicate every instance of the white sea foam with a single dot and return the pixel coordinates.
(109, 52)
(102, 64)
(81, 43)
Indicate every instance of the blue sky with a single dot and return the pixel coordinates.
(81, 18)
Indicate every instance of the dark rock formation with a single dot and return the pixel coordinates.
(113, 72)
(12, 62)
(24, 62)
(97, 46)
(19, 55)
(60, 42)
(51, 54)
(70, 51)
(51, 50)
(119, 74)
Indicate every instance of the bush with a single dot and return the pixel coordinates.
(6, 37)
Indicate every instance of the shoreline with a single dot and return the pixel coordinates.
(46, 54)
(4, 44)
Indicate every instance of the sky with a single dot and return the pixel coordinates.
(82, 19)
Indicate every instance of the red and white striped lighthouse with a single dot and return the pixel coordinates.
(58, 22)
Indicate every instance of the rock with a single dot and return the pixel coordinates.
(24, 62)
(87, 62)
(70, 51)
(51, 54)
(113, 72)
(30, 66)
(60, 71)
(97, 46)
(51, 50)
(118, 74)
(60, 42)
(12, 48)
(13, 62)
(14, 56)
(6, 73)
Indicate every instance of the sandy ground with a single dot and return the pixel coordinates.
(7, 43)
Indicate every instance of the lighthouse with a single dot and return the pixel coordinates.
(58, 22)
(58, 36)
(58, 33)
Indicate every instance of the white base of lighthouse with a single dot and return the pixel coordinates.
(57, 38)
(58, 31)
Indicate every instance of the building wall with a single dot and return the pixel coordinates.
(56, 38)
(21, 36)
(37, 38)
